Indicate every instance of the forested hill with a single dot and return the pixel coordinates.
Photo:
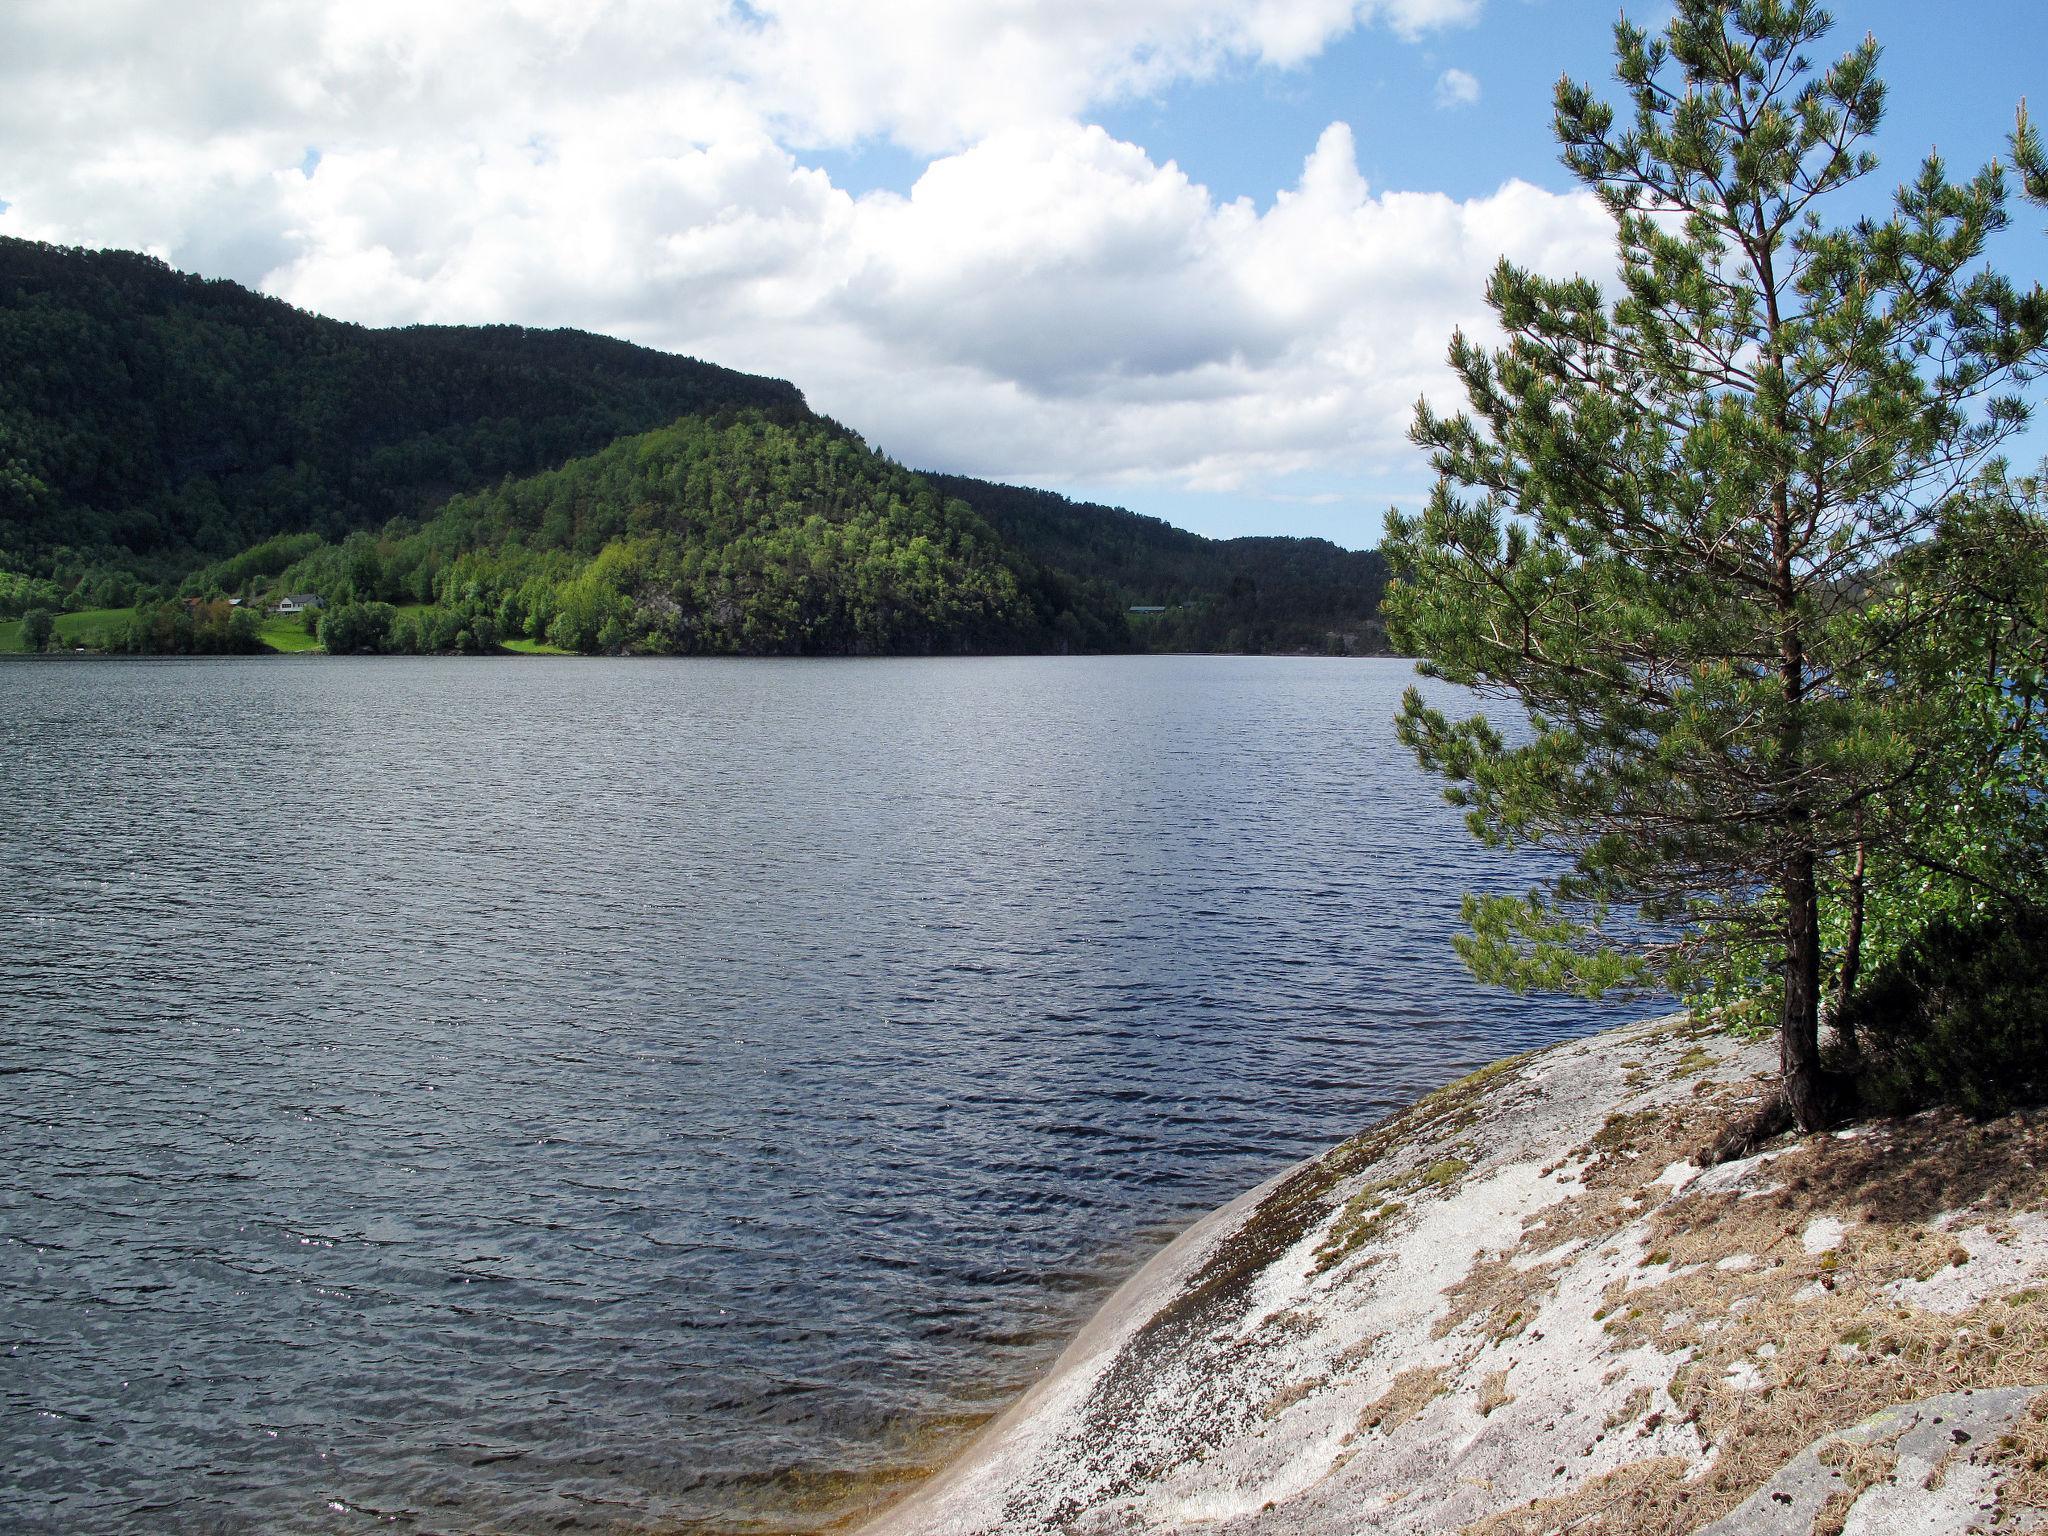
(1246, 594)
(150, 419)
(747, 536)
(165, 433)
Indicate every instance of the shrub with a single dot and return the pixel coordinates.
(188, 628)
(358, 629)
(20, 593)
(1959, 1016)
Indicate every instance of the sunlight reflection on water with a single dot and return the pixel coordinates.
(531, 1094)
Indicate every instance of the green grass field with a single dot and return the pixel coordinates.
(281, 632)
(286, 632)
(81, 628)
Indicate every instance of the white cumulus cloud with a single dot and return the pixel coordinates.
(1456, 88)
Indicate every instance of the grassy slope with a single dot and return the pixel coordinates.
(287, 632)
(281, 632)
(72, 628)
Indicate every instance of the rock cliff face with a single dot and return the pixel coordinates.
(1520, 1307)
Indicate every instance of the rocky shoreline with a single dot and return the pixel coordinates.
(1521, 1307)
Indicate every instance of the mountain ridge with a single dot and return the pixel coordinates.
(164, 430)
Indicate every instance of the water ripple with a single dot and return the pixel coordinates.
(593, 1096)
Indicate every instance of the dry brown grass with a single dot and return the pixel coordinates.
(1817, 1336)
(1830, 1345)
(1826, 1344)
(1412, 1391)
(1501, 1294)
(2021, 1460)
(1500, 1297)
(1602, 1507)
(1291, 1394)
(1861, 1468)
(1494, 1393)
(1354, 1355)
(1631, 1411)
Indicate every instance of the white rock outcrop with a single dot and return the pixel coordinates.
(1520, 1307)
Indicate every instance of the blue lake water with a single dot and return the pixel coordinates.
(537, 1095)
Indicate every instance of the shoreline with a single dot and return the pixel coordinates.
(508, 653)
(1520, 1305)
(1138, 1296)
(1158, 1275)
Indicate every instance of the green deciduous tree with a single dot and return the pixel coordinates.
(1967, 838)
(1671, 524)
(358, 629)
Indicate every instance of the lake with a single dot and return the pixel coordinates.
(537, 1094)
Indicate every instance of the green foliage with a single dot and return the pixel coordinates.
(37, 625)
(20, 593)
(1247, 594)
(1965, 837)
(1962, 836)
(71, 587)
(152, 422)
(1526, 945)
(149, 418)
(2030, 159)
(1672, 527)
(190, 627)
(1959, 1015)
(94, 628)
(750, 536)
(358, 629)
(244, 575)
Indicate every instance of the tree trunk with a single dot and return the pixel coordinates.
(1852, 946)
(1799, 1027)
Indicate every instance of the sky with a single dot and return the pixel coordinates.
(1195, 257)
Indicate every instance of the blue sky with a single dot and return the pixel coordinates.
(1197, 257)
(1955, 72)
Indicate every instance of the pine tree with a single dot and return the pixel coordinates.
(1660, 524)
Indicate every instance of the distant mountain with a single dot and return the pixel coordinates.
(747, 536)
(162, 431)
(150, 419)
(1248, 594)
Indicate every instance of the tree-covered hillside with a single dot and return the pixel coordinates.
(1247, 594)
(748, 536)
(150, 419)
(158, 428)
